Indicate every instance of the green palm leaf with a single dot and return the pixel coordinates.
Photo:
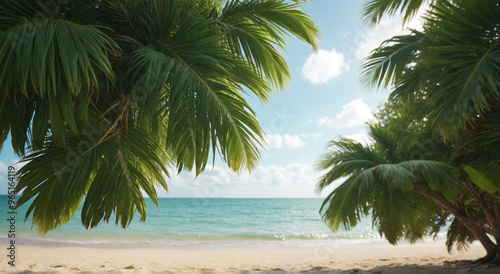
(255, 28)
(58, 179)
(390, 60)
(374, 10)
(380, 177)
(345, 206)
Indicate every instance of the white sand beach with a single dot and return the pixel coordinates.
(363, 258)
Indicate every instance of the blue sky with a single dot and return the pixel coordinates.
(323, 101)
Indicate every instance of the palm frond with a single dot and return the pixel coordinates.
(344, 206)
(58, 179)
(345, 158)
(120, 196)
(388, 62)
(375, 10)
(392, 212)
(459, 236)
(255, 28)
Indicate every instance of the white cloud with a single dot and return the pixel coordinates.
(323, 65)
(386, 29)
(353, 114)
(291, 180)
(277, 141)
(273, 141)
(292, 142)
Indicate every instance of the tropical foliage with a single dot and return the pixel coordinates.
(380, 182)
(100, 97)
(444, 108)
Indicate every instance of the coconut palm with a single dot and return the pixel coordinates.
(451, 69)
(100, 97)
(407, 195)
(380, 183)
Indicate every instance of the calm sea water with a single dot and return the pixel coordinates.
(188, 221)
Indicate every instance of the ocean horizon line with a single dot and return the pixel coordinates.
(17, 195)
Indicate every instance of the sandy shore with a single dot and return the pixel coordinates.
(368, 258)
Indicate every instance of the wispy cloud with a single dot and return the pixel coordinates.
(361, 137)
(290, 180)
(314, 136)
(291, 174)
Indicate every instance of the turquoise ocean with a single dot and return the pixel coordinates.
(199, 222)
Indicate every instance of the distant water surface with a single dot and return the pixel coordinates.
(198, 221)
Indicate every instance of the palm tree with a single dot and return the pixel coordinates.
(102, 96)
(454, 62)
(406, 196)
(451, 68)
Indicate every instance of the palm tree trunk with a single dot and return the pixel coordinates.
(490, 216)
(480, 234)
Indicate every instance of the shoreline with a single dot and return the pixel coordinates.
(161, 243)
(365, 258)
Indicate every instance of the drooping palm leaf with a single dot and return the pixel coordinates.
(255, 29)
(380, 177)
(58, 179)
(375, 10)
